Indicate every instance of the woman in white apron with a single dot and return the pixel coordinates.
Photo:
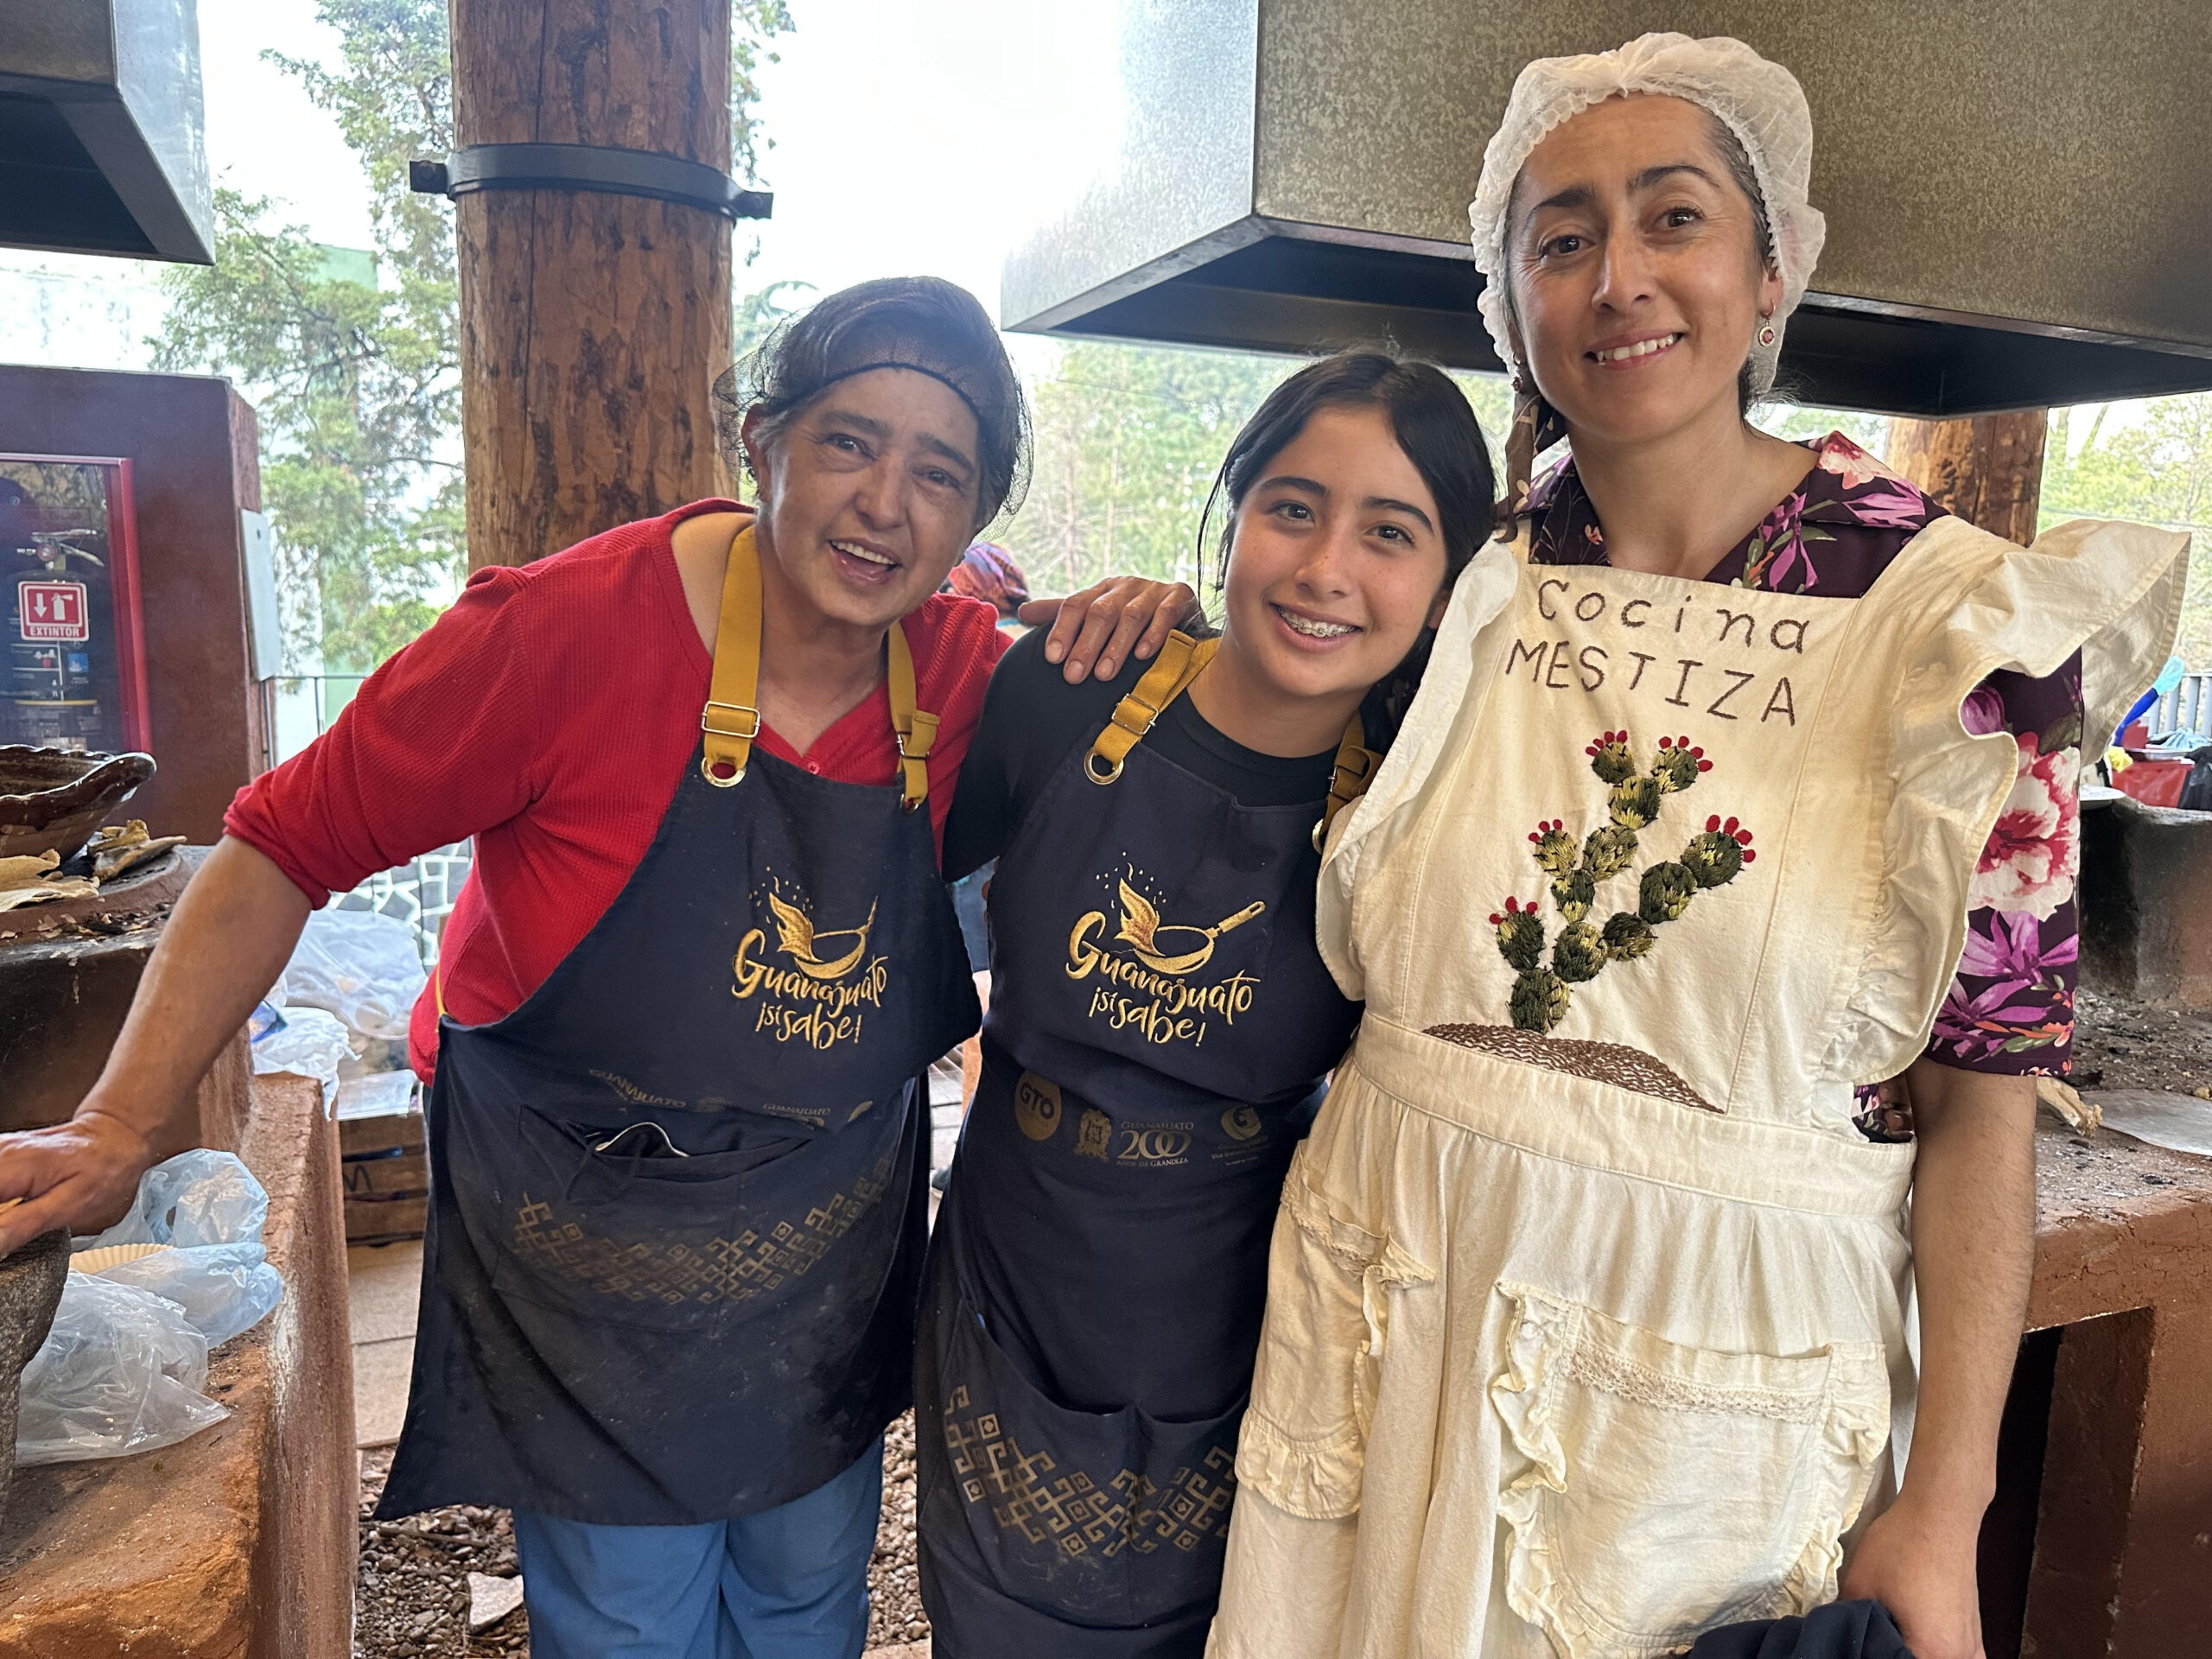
(1739, 775)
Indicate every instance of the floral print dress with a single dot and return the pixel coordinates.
(2011, 1006)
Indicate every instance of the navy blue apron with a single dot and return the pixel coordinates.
(1160, 1024)
(677, 1209)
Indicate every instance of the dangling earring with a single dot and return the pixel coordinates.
(1767, 335)
(1536, 427)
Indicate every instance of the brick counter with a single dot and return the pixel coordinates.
(239, 1541)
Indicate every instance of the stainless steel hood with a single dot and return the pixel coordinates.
(101, 147)
(2018, 211)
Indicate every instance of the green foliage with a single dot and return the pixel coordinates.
(760, 313)
(1129, 439)
(2149, 461)
(1801, 423)
(358, 387)
(753, 24)
(358, 397)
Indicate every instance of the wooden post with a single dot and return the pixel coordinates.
(592, 326)
(1987, 468)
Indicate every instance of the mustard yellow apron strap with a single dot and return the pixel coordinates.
(914, 728)
(1179, 663)
(731, 719)
(1355, 769)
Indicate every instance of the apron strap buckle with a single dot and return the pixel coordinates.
(1179, 662)
(729, 742)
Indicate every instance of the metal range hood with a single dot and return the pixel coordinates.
(2018, 212)
(101, 138)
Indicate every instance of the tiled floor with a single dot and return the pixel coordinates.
(386, 1280)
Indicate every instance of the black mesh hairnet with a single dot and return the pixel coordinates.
(911, 323)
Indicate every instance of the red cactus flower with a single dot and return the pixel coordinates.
(1603, 738)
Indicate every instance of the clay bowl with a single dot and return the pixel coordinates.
(51, 800)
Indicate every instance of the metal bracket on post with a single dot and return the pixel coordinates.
(591, 167)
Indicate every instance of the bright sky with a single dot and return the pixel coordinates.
(908, 136)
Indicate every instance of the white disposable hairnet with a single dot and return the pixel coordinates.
(1760, 102)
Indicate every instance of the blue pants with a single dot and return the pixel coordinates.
(790, 1583)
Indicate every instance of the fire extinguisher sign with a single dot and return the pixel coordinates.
(52, 610)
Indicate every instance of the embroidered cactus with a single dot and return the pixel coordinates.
(1583, 950)
(1520, 935)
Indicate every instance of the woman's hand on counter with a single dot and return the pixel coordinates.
(222, 948)
(81, 1175)
(1099, 629)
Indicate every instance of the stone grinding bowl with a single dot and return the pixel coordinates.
(52, 800)
(30, 1288)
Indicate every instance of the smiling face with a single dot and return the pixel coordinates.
(869, 495)
(1337, 563)
(1637, 274)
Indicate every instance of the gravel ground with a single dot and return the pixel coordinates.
(895, 1614)
(411, 1598)
(2120, 1044)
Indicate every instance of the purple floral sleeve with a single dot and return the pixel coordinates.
(2011, 1008)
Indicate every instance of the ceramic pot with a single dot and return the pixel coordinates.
(51, 800)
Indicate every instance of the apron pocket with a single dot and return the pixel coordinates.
(1332, 1287)
(1673, 1488)
(1111, 1519)
(601, 1231)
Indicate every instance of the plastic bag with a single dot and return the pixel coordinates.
(121, 1371)
(380, 1094)
(361, 966)
(312, 1042)
(210, 1210)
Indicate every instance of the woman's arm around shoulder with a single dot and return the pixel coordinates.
(1032, 718)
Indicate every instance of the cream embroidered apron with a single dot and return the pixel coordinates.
(1585, 1324)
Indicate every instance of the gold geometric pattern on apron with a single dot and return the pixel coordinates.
(1073, 1512)
(722, 1269)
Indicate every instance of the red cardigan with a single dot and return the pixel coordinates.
(551, 713)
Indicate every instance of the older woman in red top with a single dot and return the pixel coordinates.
(704, 953)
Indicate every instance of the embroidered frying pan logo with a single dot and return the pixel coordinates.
(796, 938)
(1152, 942)
(822, 998)
(1146, 969)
